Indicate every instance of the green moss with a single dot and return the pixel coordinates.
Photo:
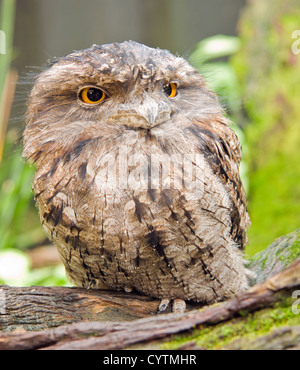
(250, 326)
(294, 253)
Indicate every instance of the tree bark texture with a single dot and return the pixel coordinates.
(119, 335)
(38, 308)
(75, 318)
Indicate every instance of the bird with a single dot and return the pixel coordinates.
(137, 175)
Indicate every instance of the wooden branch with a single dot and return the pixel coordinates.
(119, 335)
(38, 308)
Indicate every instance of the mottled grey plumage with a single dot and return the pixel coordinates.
(116, 223)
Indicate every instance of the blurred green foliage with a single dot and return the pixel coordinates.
(7, 18)
(20, 227)
(212, 58)
(269, 73)
(19, 223)
(15, 199)
(16, 270)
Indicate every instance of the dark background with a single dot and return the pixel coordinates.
(47, 29)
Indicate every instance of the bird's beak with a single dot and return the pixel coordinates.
(146, 114)
(153, 112)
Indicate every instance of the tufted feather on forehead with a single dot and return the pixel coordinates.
(121, 62)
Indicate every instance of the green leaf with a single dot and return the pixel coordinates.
(214, 47)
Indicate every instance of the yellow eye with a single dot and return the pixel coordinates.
(171, 90)
(92, 95)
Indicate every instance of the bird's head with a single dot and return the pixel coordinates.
(111, 89)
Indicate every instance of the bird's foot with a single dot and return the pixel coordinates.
(128, 289)
(178, 306)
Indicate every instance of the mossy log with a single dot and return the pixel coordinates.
(103, 319)
(120, 335)
(38, 308)
(279, 255)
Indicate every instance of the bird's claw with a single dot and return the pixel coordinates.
(178, 306)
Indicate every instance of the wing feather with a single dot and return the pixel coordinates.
(222, 150)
